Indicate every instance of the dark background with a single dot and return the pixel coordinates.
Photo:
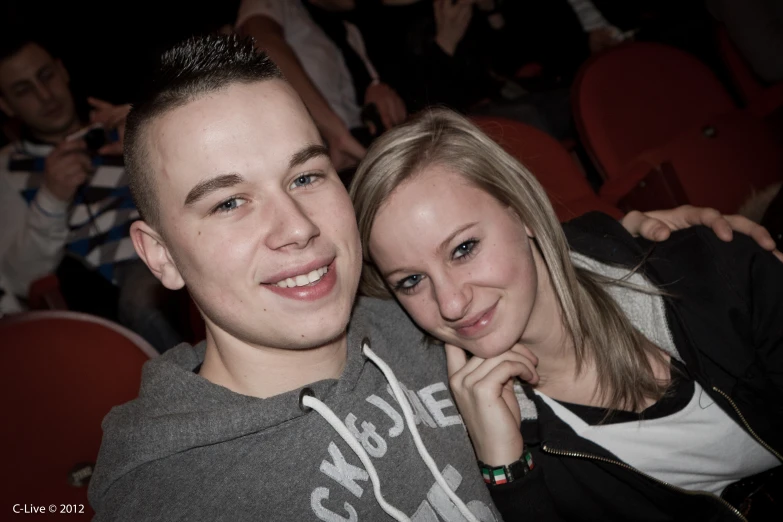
(108, 46)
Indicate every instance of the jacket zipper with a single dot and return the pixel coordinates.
(563, 453)
(747, 426)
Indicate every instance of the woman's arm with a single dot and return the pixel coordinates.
(484, 392)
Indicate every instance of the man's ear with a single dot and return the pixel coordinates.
(155, 254)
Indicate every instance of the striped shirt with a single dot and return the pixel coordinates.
(98, 219)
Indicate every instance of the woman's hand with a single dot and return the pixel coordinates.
(484, 391)
(657, 225)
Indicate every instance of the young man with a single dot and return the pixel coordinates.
(59, 199)
(242, 205)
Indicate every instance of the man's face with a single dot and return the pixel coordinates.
(255, 219)
(34, 88)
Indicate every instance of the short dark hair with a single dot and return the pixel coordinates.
(14, 41)
(187, 71)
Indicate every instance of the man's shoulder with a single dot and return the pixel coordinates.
(392, 334)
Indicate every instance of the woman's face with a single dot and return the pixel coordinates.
(460, 263)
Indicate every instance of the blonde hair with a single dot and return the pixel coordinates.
(598, 327)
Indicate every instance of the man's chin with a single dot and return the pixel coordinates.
(323, 342)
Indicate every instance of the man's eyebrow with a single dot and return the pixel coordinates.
(20, 83)
(204, 188)
(306, 154)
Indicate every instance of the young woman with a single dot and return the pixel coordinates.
(653, 372)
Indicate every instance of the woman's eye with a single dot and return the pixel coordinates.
(230, 204)
(408, 283)
(464, 249)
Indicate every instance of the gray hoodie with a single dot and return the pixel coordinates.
(188, 449)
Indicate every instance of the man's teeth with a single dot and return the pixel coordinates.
(302, 280)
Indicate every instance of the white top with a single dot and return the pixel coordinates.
(698, 448)
(320, 57)
(34, 236)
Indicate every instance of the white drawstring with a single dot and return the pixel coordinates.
(339, 427)
(423, 453)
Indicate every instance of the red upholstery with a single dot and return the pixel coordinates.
(64, 371)
(760, 99)
(717, 165)
(664, 132)
(638, 96)
(552, 165)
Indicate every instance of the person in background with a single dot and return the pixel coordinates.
(65, 205)
(382, 107)
(317, 69)
(466, 54)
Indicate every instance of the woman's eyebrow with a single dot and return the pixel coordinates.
(445, 244)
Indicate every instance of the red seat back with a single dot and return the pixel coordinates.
(638, 96)
(721, 165)
(64, 372)
(551, 163)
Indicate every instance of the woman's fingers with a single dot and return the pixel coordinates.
(516, 366)
(456, 359)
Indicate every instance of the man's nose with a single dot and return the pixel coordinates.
(44, 93)
(291, 225)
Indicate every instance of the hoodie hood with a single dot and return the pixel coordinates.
(178, 410)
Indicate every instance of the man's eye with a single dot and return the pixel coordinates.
(229, 205)
(464, 249)
(304, 180)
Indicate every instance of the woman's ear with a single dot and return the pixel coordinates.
(155, 254)
(529, 232)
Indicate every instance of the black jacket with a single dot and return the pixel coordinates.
(727, 324)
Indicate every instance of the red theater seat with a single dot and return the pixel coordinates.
(551, 163)
(64, 371)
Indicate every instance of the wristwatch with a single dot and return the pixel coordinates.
(497, 475)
